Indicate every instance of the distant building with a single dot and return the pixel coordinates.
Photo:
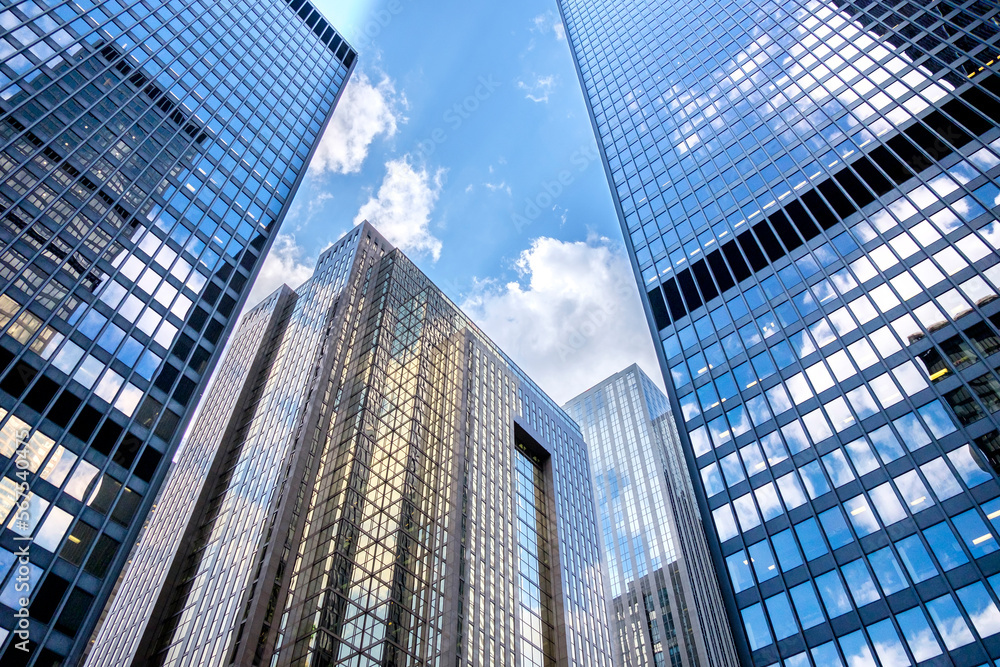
(663, 597)
(370, 481)
(148, 154)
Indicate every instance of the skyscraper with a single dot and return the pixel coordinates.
(148, 153)
(371, 481)
(808, 193)
(664, 605)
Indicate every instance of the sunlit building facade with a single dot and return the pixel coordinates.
(664, 605)
(808, 191)
(370, 481)
(148, 153)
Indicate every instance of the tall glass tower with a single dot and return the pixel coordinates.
(370, 482)
(808, 191)
(664, 606)
(148, 152)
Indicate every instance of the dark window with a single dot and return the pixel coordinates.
(77, 606)
(100, 559)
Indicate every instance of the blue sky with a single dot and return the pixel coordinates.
(463, 136)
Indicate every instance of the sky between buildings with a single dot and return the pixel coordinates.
(463, 137)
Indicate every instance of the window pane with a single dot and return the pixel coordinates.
(887, 571)
(767, 498)
(856, 649)
(834, 596)
(835, 527)
(774, 448)
(969, 468)
(953, 628)
(826, 655)
(756, 627)
(806, 605)
(916, 559)
(739, 571)
(763, 561)
(810, 538)
(732, 469)
(791, 490)
(887, 644)
(980, 608)
(747, 512)
(862, 457)
(753, 460)
(788, 553)
(860, 582)
(886, 444)
(837, 467)
(814, 479)
(725, 523)
(862, 517)
(889, 508)
(941, 479)
(712, 479)
(945, 547)
(914, 493)
(782, 619)
(918, 634)
(912, 432)
(978, 538)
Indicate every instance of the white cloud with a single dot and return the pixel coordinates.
(538, 91)
(284, 264)
(401, 210)
(498, 187)
(577, 320)
(365, 111)
(549, 21)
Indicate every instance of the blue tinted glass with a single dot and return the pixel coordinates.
(888, 647)
(918, 634)
(856, 649)
(763, 561)
(788, 553)
(978, 538)
(831, 590)
(810, 538)
(782, 619)
(814, 479)
(860, 582)
(887, 571)
(946, 548)
(836, 528)
(937, 419)
(916, 559)
(826, 655)
(807, 606)
(756, 627)
(739, 571)
(782, 353)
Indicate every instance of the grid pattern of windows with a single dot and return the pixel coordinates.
(809, 192)
(664, 603)
(148, 151)
(354, 478)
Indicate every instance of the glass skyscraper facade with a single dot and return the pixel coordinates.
(664, 605)
(808, 191)
(148, 152)
(370, 481)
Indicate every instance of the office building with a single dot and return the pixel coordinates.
(663, 598)
(370, 481)
(148, 153)
(808, 191)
